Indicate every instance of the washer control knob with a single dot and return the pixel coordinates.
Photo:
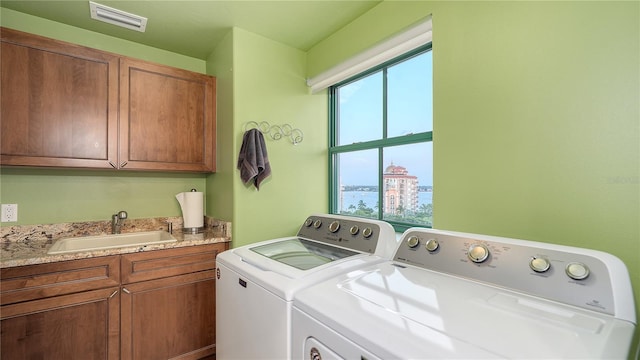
(317, 224)
(539, 264)
(577, 271)
(308, 222)
(413, 241)
(354, 230)
(432, 245)
(478, 253)
(334, 226)
(367, 232)
(314, 354)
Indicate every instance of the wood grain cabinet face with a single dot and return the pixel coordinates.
(65, 105)
(65, 310)
(59, 103)
(169, 115)
(168, 303)
(169, 318)
(149, 305)
(77, 326)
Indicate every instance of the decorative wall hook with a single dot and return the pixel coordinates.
(277, 132)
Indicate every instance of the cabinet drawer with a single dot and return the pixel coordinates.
(39, 281)
(171, 262)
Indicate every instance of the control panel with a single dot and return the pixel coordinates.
(574, 276)
(353, 233)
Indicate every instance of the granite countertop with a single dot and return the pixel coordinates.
(28, 244)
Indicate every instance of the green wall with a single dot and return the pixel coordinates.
(47, 196)
(536, 130)
(536, 117)
(269, 85)
(219, 199)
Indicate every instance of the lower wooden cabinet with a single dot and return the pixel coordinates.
(62, 310)
(169, 318)
(168, 303)
(80, 326)
(151, 305)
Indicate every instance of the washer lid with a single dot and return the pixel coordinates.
(441, 303)
(302, 254)
(276, 265)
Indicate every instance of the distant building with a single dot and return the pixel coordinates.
(400, 190)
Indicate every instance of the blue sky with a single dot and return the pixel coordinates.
(410, 104)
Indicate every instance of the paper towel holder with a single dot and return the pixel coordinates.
(185, 229)
(193, 230)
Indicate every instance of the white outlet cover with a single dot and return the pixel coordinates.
(9, 213)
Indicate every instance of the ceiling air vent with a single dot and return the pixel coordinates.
(117, 17)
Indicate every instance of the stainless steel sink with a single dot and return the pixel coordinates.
(100, 242)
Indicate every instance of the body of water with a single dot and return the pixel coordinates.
(371, 198)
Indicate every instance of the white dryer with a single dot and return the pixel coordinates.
(455, 295)
(256, 283)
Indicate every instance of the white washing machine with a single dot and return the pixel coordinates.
(454, 295)
(256, 283)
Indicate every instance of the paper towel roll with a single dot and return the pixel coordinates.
(192, 210)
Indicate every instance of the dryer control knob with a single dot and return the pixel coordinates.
(478, 253)
(539, 264)
(308, 222)
(354, 230)
(577, 271)
(413, 241)
(317, 224)
(432, 245)
(334, 226)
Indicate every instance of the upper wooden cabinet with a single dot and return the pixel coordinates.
(59, 105)
(167, 118)
(64, 105)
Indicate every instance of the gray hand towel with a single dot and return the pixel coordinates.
(253, 161)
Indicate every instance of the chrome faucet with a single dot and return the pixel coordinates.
(117, 220)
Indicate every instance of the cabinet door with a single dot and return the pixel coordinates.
(169, 318)
(59, 103)
(77, 326)
(167, 118)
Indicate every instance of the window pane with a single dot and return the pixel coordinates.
(358, 183)
(360, 110)
(409, 96)
(408, 183)
(376, 170)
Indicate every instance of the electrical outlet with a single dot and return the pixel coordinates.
(9, 213)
